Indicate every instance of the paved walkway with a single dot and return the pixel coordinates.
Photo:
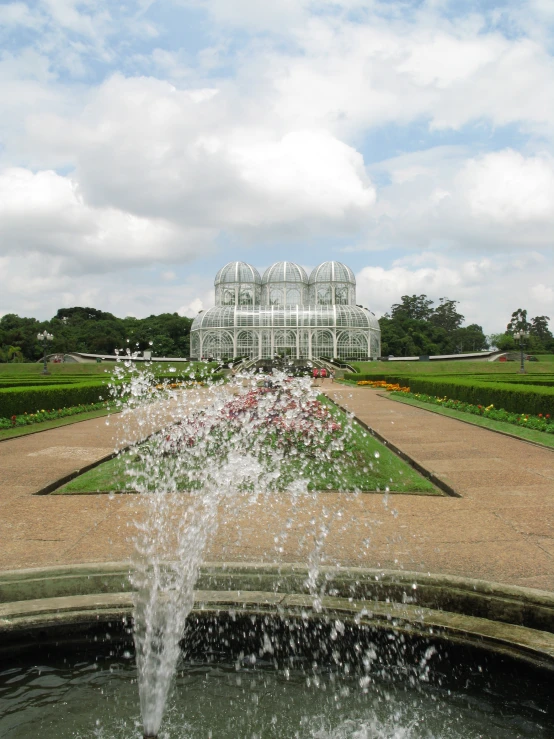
(501, 529)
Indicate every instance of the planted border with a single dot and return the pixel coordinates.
(16, 401)
(532, 399)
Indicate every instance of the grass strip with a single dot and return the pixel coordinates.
(368, 466)
(508, 429)
(35, 428)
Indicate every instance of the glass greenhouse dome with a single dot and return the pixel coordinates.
(285, 313)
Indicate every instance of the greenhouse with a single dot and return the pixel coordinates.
(286, 313)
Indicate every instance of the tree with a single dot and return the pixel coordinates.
(97, 332)
(539, 328)
(518, 322)
(469, 339)
(417, 307)
(446, 316)
(540, 337)
(503, 342)
(15, 354)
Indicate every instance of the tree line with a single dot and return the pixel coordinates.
(414, 326)
(95, 332)
(537, 339)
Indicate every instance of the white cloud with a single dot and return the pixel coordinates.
(488, 290)
(491, 201)
(143, 146)
(45, 213)
(543, 294)
(192, 309)
(510, 188)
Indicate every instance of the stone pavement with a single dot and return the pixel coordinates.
(501, 529)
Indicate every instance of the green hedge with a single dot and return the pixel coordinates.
(358, 377)
(517, 397)
(40, 383)
(18, 400)
(533, 399)
(544, 381)
(196, 376)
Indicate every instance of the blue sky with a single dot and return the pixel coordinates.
(143, 145)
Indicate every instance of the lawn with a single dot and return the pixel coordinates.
(363, 465)
(25, 369)
(34, 428)
(545, 364)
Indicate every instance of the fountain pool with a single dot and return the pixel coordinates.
(258, 661)
(257, 675)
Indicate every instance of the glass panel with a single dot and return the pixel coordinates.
(228, 297)
(341, 295)
(352, 345)
(293, 297)
(276, 297)
(247, 344)
(375, 346)
(324, 296)
(322, 344)
(217, 345)
(246, 297)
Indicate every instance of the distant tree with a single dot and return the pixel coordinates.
(469, 339)
(414, 327)
(504, 342)
(94, 331)
(417, 307)
(540, 339)
(539, 328)
(518, 322)
(15, 354)
(446, 316)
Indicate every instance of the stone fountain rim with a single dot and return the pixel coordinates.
(455, 583)
(505, 619)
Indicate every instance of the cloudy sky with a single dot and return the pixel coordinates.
(145, 144)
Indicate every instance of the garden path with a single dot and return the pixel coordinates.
(501, 529)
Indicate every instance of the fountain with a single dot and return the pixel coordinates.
(255, 437)
(284, 650)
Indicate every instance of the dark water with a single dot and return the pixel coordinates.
(231, 684)
(98, 699)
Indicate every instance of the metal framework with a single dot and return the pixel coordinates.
(285, 313)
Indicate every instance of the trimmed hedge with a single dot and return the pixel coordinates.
(533, 399)
(393, 379)
(18, 400)
(210, 377)
(517, 397)
(40, 383)
(522, 380)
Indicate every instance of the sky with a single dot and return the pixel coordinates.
(144, 144)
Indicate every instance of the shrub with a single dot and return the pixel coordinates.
(516, 398)
(18, 400)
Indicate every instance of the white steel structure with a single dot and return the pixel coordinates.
(285, 313)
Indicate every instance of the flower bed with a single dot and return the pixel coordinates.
(275, 417)
(27, 419)
(539, 422)
(384, 385)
